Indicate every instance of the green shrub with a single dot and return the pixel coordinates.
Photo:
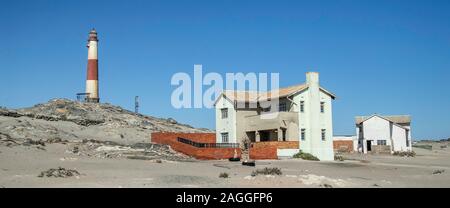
(267, 171)
(224, 175)
(306, 156)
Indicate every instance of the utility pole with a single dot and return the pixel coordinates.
(136, 104)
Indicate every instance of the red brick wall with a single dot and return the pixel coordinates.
(159, 137)
(279, 145)
(199, 153)
(268, 150)
(343, 145)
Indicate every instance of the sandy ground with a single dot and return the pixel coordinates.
(20, 166)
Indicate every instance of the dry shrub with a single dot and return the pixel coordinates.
(267, 171)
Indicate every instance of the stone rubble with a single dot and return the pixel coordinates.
(90, 129)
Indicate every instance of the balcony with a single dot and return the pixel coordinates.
(270, 121)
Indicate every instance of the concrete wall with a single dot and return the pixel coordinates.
(399, 137)
(241, 122)
(344, 138)
(287, 153)
(292, 132)
(381, 149)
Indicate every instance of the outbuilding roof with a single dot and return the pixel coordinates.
(399, 119)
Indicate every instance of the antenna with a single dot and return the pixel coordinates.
(136, 104)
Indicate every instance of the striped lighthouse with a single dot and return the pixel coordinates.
(92, 69)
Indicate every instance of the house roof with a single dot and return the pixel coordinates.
(399, 119)
(241, 96)
(254, 96)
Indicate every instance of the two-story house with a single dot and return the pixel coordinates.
(303, 113)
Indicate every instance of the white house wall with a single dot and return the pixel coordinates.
(303, 121)
(326, 122)
(399, 138)
(375, 129)
(313, 143)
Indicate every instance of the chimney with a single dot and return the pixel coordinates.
(317, 123)
(312, 79)
(313, 139)
(92, 69)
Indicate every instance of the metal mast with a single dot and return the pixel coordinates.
(136, 104)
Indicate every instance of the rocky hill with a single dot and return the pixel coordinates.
(63, 119)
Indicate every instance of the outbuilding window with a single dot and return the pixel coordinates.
(381, 142)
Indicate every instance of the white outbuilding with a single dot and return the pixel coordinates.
(383, 134)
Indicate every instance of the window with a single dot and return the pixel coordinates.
(302, 106)
(303, 134)
(381, 142)
(224, 137)
(322, 107)
(224, 112)
(282, 107)
(323, 135)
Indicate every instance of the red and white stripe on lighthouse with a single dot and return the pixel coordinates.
(92, 69)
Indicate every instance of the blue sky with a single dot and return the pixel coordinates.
(386, 57)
